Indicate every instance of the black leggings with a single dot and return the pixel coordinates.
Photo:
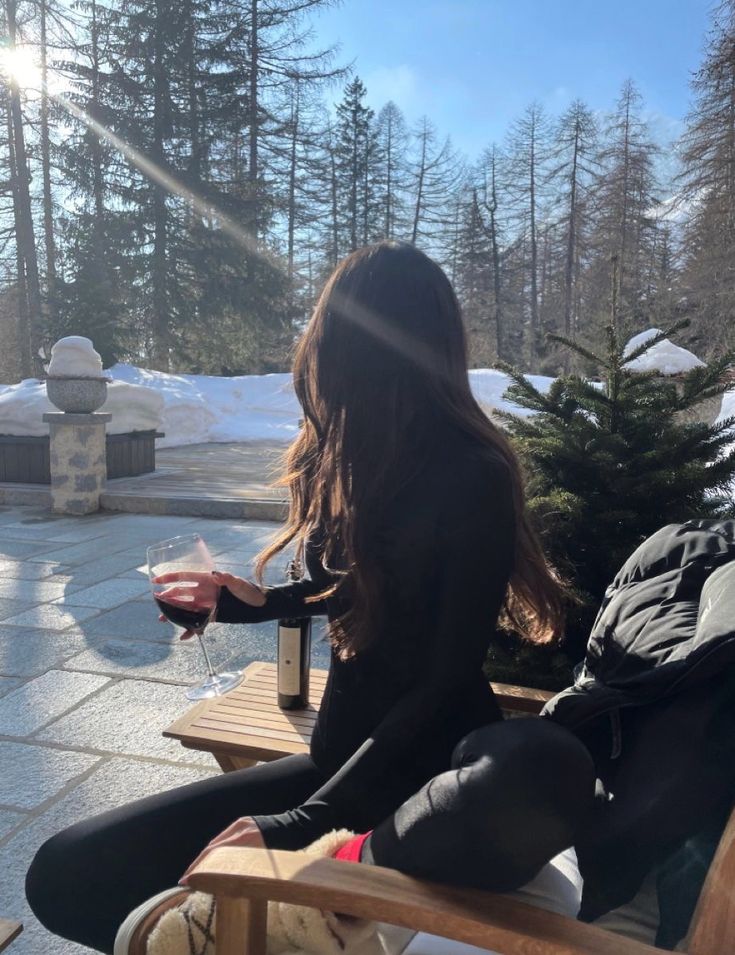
(516, 795)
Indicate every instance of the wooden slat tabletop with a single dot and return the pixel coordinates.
(8, 932)
(248, 722)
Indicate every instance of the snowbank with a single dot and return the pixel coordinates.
(194, 409)
(728, 407)
(666, 357)
(201, 408)
(133, 408)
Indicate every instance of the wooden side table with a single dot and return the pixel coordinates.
(9, 931)
(246, 725)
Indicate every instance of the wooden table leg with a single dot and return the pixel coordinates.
(230, 763)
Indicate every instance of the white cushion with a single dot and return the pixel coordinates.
(557, 888)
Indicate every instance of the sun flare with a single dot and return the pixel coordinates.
(19, 63)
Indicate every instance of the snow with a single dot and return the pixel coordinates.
(665, 358)
(728, 407)
(133, 408)
(75, 357)
(194, 409)
(202, 408)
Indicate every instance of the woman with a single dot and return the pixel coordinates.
(408, 504)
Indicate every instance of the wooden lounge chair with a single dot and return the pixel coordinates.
(243, 880)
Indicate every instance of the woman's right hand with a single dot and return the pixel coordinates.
(201, 590)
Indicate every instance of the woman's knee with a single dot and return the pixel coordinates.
(45, 880)
(527, 761)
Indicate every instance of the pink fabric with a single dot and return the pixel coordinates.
(350, 851)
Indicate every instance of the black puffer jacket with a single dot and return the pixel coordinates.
(655, 704)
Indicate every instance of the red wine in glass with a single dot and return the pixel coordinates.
(186, 567)
(188, 619)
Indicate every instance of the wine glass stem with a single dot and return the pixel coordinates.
(210, 668)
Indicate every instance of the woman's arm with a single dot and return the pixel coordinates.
(288, 600)
(477, 541)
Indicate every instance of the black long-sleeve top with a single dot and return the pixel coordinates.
(393, 713)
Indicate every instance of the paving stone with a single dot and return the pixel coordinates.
(51, 617)
(32, 652)
(137, 620)
(127, 717)
(116, 781)
(79, 529)
(178, 661)
(20, 549)
(102, 568)
(8, 683)
(9, 820)
(32, 591)
(74, 554)
(8, 608)
(106, 594)
(25, 570)
(32, 774)
(25, 710)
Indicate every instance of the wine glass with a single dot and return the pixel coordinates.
(182, 556)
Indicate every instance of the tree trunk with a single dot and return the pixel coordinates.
(353, 183)
(253, 124)
(533, 342)
(419, 191)
(25, 236)
(48, 213)
(571, 239)
(160, 329)
(335, 200)
(292, 188)
(23, 335)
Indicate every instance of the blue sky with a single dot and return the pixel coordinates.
(473, 65)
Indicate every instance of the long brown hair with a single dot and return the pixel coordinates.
(382, 363)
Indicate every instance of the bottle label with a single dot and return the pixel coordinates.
(289, 660)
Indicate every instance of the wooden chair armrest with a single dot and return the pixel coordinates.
(245, 879)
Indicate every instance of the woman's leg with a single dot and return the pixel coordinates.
(86, 879)
(516, 796)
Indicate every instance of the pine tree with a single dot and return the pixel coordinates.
(625, 197)
(609, 465)
(473, 282)
(574, 167)
(435, 173)
(707, 184)
(391, 142)
(355, 153)
(525, 174)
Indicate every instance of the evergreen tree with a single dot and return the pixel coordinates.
(574, 167)
(609, 465)
(625, 197)
(391, 142)
(355, 158)
(493, 228)
(473, 281)
(707, 184)
(435, 173)
(525, 174)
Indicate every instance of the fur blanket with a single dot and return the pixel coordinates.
(188, 929)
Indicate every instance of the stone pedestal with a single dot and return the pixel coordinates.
(78, 461)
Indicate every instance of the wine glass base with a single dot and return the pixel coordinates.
(214, 686)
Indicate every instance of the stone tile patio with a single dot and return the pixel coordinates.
(89, 678)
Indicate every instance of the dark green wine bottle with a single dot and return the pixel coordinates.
(294, 656)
